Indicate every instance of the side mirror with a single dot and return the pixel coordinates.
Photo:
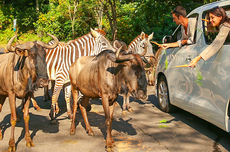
(167, 39)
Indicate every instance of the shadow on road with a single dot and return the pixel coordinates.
(34, 125)
(98, 120)
(218, 135)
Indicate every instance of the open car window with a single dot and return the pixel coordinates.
(210, 32)
(177, 34)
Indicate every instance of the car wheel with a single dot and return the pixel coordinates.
(163, 96)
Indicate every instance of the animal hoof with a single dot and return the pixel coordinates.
(91, 134)
(11, 148)
(130, 109)
(30, 144)
(124, 112)
(72, 132)
(53, 122)
(109, 149)
(38, 109)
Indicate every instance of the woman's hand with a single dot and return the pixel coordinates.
(193, 63)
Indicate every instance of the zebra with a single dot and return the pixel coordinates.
(60, 59)
(136, 46)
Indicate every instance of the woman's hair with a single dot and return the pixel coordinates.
(219, 11)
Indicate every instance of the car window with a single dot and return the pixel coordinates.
(210, 32)
(177, 33)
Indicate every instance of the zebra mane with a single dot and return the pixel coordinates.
(136, 39)
(102, 32)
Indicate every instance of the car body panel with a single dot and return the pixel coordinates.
(210, 101)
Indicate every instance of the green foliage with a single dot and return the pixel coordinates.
(163, 121)
(163, 126)
(166, 61)
(199, 77)
(52, 16)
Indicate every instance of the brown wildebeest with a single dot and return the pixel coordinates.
(22, 72)
(140, 43)
(101, 76)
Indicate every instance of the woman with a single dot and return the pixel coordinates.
(219, 20)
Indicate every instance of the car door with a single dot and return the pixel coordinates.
(210, 97)
(180, 79)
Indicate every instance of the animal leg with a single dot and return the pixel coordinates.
(2, 100)
(0, 133)
(83, 105)
(13, 121)
(54, 106)
(46, 94)
(26, 117)
(124, 111)
(75, 105)
(52, 87)
(67, 91)
(130, 109)
(35, 103)
(108, 121)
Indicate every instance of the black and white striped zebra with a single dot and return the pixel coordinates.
(60, 59)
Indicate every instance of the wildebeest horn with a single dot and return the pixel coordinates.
(122, 57)
(144, 52)
(49, 46)
(9, 45)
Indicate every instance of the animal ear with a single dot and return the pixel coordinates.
(142, 35)
(150, 37)
(112, 57)
(94, 33)
(21, 52)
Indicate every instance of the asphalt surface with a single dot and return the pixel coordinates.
(139, 131)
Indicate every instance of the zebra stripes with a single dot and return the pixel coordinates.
(137, 45)
(60, 59)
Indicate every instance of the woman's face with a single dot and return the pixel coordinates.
(215, 20)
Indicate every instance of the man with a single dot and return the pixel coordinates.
(187, 29)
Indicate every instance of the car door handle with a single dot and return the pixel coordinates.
(188, 59)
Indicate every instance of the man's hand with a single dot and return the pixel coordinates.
(183, 42)
(165, 46)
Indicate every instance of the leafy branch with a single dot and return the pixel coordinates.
(199, 77)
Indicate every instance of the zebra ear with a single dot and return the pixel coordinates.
(94, 33)
(150, 37)
(142, 35)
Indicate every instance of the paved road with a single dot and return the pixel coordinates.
(139, 131)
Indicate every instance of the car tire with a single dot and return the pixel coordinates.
(163, 96)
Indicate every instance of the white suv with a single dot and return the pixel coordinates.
(204, 90)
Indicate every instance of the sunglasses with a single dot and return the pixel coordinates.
(217, 7)
(175, 11)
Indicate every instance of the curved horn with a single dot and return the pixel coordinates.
(49, 46)
(9, 45)
(122, 57)
(144, 52)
